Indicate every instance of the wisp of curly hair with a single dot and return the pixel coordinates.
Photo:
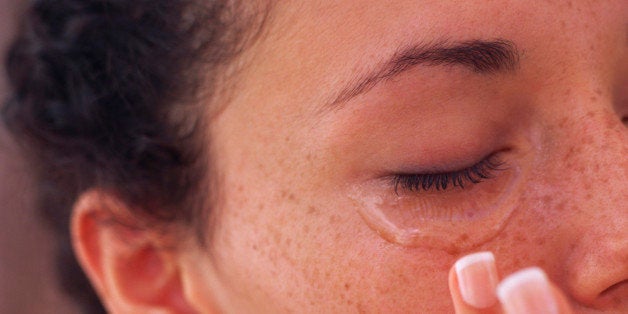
(105, 95)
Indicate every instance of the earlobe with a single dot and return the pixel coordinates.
(130, 270)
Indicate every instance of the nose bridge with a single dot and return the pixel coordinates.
(595, 169)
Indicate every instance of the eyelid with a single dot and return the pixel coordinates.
(453, 220)
(442, 181)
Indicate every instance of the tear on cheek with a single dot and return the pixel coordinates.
(453, 221)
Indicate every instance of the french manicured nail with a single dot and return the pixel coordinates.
(527, 291)
(477, 279)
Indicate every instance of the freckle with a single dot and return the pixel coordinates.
(568, 92)
(452, 250)
(590, 114)
(463, 238)
(541, 263)
(561, 206)
(347, 286)
(598, 92)
(311, 210)
(540, 241)
(589, 196)
(593, 99)
(517, 260)
(519, 238)
(361, 309)
(339, 236)
(563, 122)
(573, 209)
(570, 153)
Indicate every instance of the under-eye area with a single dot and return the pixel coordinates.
(437, 209)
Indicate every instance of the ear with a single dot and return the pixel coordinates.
(127, 266)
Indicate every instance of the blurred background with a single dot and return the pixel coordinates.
(27, 279)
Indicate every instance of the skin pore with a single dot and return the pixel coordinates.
(298, 162)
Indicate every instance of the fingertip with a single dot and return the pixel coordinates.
(527, 291)
(472, 282)
(477, 279)
(467, 260)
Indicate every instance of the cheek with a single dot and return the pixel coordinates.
(571, 196)
(278, 246)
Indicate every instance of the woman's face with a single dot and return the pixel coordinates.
(353, 125)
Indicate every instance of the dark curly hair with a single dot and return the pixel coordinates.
(105, 95)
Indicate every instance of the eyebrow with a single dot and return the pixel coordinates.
(480, 56)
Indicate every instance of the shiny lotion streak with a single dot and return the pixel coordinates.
(452, 221)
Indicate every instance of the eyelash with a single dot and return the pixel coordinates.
(475, 174)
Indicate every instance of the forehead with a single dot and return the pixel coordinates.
(311, 49)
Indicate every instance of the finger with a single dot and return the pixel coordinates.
(529, 291)
(472, 283)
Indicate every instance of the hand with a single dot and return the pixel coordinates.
(475, 288)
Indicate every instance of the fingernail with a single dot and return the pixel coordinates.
(477, 279)
(527, 291)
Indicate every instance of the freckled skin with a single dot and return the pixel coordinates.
(288, 238)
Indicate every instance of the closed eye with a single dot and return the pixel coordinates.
(416, 182)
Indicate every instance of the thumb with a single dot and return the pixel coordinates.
(529, 291)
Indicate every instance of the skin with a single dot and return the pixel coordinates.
(287, 234)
